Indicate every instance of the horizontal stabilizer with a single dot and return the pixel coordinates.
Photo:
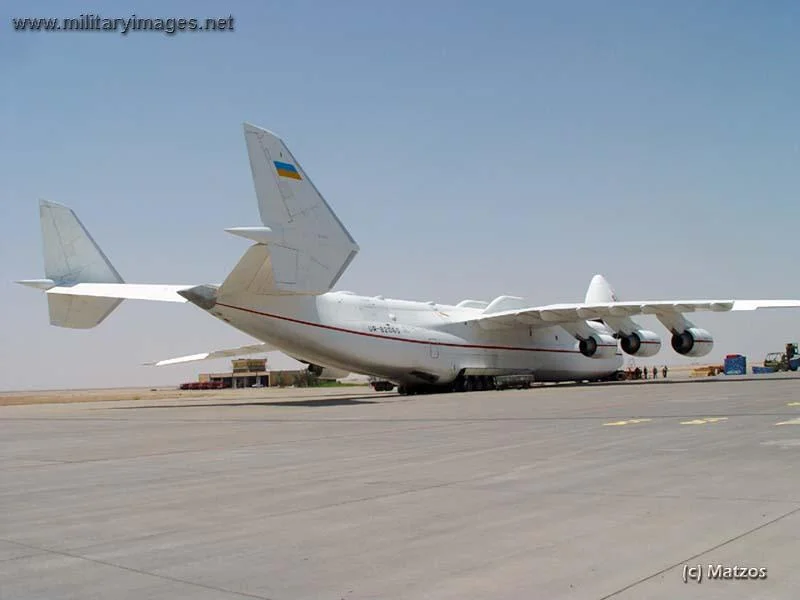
(127, 291)
(240, 351)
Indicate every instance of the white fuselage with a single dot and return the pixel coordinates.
(404, 341)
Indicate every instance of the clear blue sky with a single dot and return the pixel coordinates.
(473, 149)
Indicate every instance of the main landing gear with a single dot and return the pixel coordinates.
(468, 383)
(474, 383)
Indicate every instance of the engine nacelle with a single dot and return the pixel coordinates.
(692, 342)
(641, 342)
(598, 345)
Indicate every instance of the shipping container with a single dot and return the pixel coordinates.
(735, 364)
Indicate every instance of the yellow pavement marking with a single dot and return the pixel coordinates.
(628, 422)
(704, 420)
(790, 422)
(793, 404)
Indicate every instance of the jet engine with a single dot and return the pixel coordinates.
(641, 342)
(692, 342)
(598, 345)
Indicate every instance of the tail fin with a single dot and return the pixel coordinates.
(309, 248)
(71, 256)
(600, 291)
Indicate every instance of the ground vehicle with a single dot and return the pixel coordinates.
(787, 360)
(708, 371)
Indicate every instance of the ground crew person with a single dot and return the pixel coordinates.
(664, 371)
(655, 372)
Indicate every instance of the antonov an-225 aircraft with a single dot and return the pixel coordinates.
(280, 293)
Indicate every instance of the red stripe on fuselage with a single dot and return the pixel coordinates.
(398, 339)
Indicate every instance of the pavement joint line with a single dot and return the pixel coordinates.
(295, 511)
(426, 488)
(699, 554)
(49, 462)
(413, 490)
(438, 459)
(24, 556)
(669, 497)
(137, 571)
(456, 483)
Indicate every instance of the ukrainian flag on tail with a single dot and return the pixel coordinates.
(287, 170)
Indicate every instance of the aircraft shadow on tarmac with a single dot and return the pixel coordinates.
(309, 403)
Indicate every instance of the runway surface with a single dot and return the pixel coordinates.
(561, 492)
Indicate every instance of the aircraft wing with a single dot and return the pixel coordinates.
(252, 349)
(558, 314)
